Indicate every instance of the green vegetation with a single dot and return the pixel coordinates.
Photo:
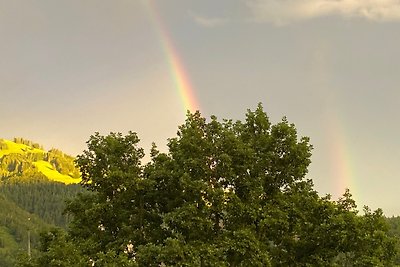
(225, 194)
(36, 180)
(49, 171)
(23, 159)
(19, 146)
(394, 231)
(45, 199)
(8, 247)
(15, 223)
(33, 191)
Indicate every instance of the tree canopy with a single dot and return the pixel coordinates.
(226, 193)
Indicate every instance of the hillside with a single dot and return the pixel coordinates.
(38, 181)
(15, 223)
(45, 199)
(23, 159)
(34, 185)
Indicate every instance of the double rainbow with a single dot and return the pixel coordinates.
(341, 160)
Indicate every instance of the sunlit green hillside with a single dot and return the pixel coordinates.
(9, 147)
(34, 185)
(49, 171)
(23, 159)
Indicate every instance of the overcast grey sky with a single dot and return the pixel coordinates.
(69, 68)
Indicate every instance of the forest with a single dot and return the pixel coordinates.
(225, 193)
(31, 202)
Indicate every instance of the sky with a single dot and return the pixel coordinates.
(70, 68)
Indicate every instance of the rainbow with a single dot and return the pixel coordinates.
(342, 163)
(341, 157)
(180, 77)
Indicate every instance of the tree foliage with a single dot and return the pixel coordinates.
(225, 194)
(15, 224)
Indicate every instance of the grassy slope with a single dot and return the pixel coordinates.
(43, 166)
(14, 148)
(48, 170)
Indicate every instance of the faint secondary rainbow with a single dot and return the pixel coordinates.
(177, 70)
(343, 171)
(340, 157)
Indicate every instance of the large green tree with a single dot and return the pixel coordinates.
(225, 194)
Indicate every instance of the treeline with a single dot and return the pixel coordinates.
(17, 228)
(19, 140)
(63, 163)
(225, 194)
(35, 207)
(30, 203)
(394, 231)
(44, 199)
(17, 167)
(3, 145)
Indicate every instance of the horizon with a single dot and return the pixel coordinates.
(74, 68)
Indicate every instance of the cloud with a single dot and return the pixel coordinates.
(208, 21)
(286, 11)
